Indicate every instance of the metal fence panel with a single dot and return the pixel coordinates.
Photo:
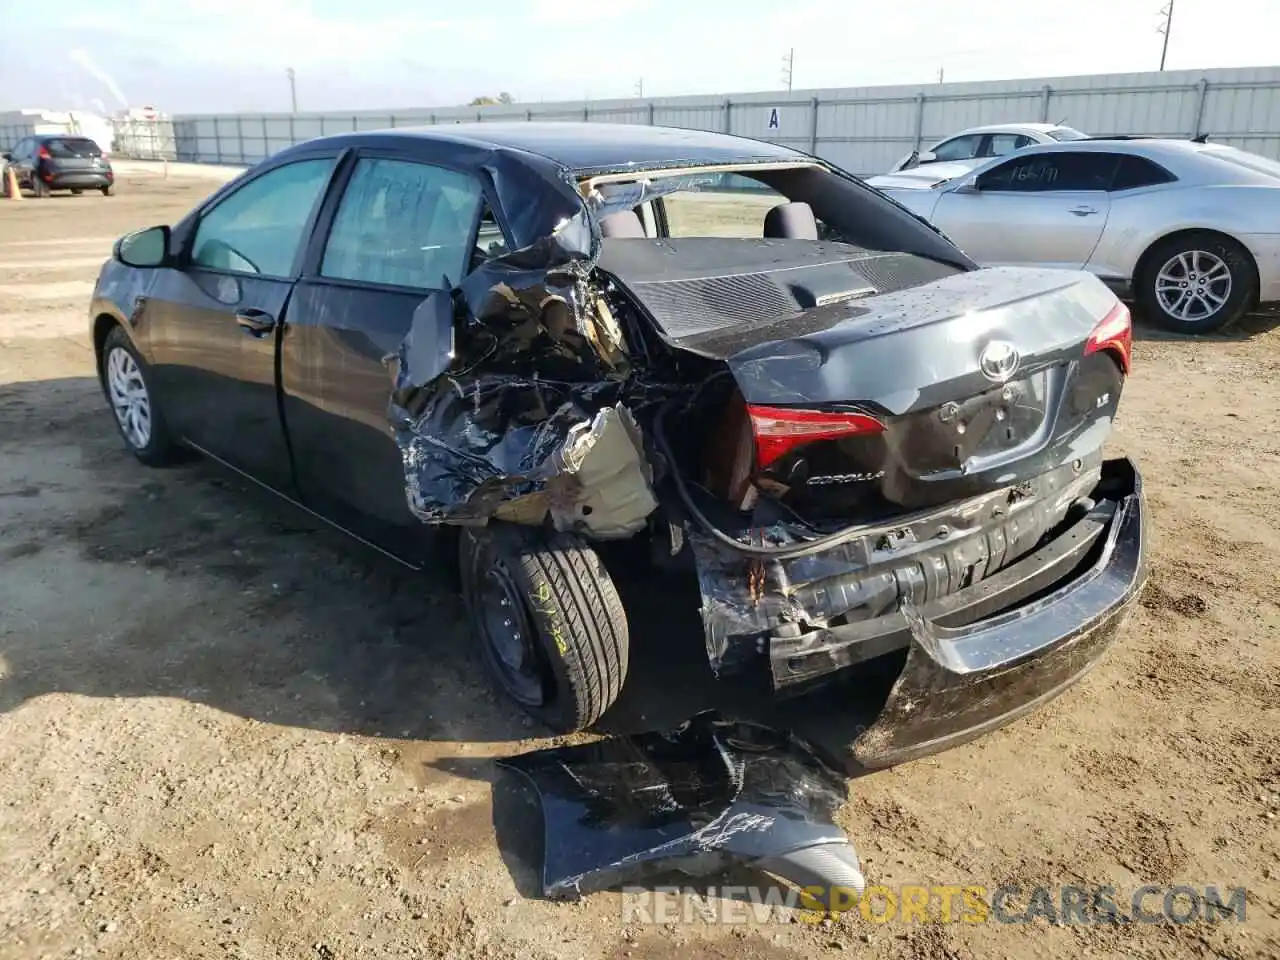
(864, 129)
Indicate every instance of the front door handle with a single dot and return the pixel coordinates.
(1083, 211)
(256, 322)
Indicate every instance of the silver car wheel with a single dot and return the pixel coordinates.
(129, 397)
(1193, 285)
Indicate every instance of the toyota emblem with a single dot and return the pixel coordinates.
(999, 360)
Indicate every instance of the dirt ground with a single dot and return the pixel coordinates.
(225, 732)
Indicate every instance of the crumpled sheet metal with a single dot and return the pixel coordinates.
(506, 393)
(694, 800)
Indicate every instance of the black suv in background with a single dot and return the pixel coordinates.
(51, 162)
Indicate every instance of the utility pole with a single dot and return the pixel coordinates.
(293, 88)
(788, 66)
(640, 88)
(1166, 29)
(941, 72)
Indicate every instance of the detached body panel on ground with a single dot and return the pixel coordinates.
(555, 335)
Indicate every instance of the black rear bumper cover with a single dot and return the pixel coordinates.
(979, 657)
(969, 669)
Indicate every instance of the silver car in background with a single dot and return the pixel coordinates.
(1190, 230)
(975, 145)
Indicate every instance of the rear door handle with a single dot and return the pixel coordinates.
(256, 322)
(1083, 211)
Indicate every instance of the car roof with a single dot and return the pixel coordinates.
(585, 146)
(1009, 128)
(1141, 146)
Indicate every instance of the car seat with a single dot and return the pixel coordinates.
(625, 223)
(793, 221)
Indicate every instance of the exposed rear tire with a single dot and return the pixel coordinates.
(76, 192)
(1197, 282)
(549, 620)
(107, 191)
(127, 384)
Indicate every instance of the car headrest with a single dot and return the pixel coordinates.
(625, 223)
(793, 221)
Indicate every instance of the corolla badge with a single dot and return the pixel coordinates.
(999, 360)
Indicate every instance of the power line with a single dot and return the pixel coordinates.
(1166, 28)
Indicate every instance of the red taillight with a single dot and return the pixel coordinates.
(781, 429)
(43, 153)
(1114, 332)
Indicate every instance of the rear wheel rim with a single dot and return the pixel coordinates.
(1193, 285)
(510, 633)
(129, 397)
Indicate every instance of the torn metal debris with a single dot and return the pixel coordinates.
(695, 800)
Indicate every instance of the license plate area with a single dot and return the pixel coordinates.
(958, 434)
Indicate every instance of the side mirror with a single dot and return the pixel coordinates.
(967, 187)
(145, 248)
(926, 156)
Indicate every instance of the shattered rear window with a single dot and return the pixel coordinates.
(719, 205)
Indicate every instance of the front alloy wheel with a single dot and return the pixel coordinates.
(129, 397)
(126, 381)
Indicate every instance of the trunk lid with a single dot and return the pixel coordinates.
(977, 379)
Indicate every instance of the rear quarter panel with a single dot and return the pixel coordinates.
(1142, 217)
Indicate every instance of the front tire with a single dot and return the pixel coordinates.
(126, 381)
(549, 620)
(1197, 282)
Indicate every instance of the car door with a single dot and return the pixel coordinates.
(401, 229)
(213, 322)
(1037, 208)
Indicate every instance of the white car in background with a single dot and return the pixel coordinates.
(1190, 230)
(975, 145)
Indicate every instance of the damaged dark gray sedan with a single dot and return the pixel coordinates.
(543, 337)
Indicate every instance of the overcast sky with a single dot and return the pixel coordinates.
(187, 56)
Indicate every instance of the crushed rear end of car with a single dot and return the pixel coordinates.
(914, 466)
(857, 449)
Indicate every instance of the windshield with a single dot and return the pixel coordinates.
(1067, 133)
(73, 147)
(1242, 158)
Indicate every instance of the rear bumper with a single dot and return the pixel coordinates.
(981, 648)
(1266, 254)
(960, 681)
(80, 180)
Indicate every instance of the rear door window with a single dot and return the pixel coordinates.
(721, 205)
(406, 224)
(1001, 143)
(72, 148)
(258, 228)
(1135, 172)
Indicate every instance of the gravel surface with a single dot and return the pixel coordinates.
(226, 732)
